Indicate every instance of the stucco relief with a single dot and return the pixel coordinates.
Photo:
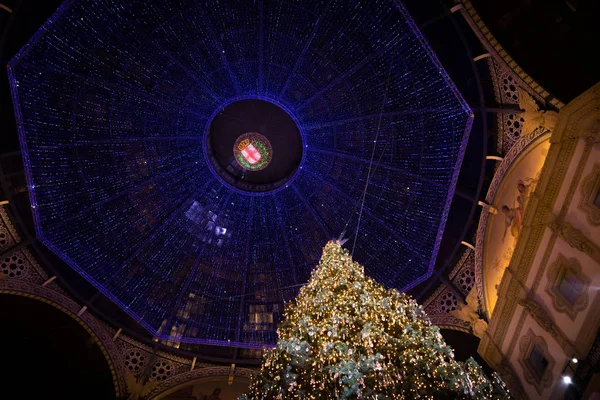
(533, 117)
(575, 238)
(526, 345)
(513, 185)
(184, 379)
(439, 307)
(469, 313)
(506, 91)
(8, 234)
(556, 272)
(590, 189)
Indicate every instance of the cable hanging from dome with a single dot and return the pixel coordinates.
(371, 172)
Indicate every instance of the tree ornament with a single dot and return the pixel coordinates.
(360, 340)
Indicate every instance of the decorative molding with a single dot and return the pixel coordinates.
(469, 313)
(509, 159)
(525, 347)
(512, 381)
(134, 359)
(575, 238)
(439, 306)
(589, 190)
(581, 118)
(6, 239)
(490, 197)
(578, 116)
(506, 91)
(506, 86)
(462, 263)
(577, 120)
(123, 354)
(492, 46)
(96, 329)
(126, 357)
(533, 117)
(463, 273)
(551, 179)
(162, 370)
(589, 329)
(9, 225)
(179, 381)
(136, 355)
(556, 272)
(22, 265)
(515, 286)
(544, 319)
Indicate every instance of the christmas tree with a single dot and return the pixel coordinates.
(347, 337)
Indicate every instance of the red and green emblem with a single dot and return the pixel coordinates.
(252, 151)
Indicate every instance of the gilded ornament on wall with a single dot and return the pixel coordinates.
(556, 273)
(526, 345)
(533, 116)
(469, 313)
(590, 191)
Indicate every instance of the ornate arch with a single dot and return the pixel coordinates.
(177, 382)
(490, 197)
(97, 331)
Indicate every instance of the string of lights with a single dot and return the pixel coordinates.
(113, 102)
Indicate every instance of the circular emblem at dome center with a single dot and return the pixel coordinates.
(252, 151)
(253, 145)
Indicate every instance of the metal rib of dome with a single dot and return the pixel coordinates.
(113, 101)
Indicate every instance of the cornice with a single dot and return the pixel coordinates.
(578, 119)
(491, 44)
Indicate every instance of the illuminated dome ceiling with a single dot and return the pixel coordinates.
(116, 104)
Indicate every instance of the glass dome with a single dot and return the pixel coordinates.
(113, 104)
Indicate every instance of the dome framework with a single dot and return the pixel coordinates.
(112, 102)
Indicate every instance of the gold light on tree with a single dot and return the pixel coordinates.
(347, 337)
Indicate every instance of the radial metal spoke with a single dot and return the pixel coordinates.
(305, 48)
(378, 115)
(314, 213)
(121, 193)
(412, 175)
(344, 75)
(366, 211)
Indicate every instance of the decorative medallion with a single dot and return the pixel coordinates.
(252, 151)
(558, 274)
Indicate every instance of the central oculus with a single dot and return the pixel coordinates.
(254, 145)
(252, 151)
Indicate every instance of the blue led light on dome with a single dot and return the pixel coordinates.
(113, 100)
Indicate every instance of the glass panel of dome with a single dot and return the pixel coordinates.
(128, 117)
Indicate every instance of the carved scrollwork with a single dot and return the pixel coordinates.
(180, 380)
(533, 117)
(556, 272)
(590, 187)
(8, 234)
(575, 238)
(469, 313)
(525, 348)
(439, 306)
